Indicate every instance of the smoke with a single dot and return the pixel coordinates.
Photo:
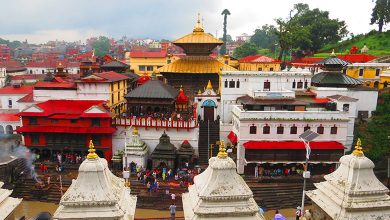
(12, 147)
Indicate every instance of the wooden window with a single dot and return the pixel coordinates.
(266, 129)
(231, 84)
(267, 85)
(361, 71)
(260, 69)
(377, 71)
(252, 129)
(73, 121)
(149, 68)
(307, 127)
(33, 120)
(293, 130)
(300, 85)
(294, 84)
(333, 130)
(238, 84)
(96, 139)
(95, 122)
(9, 103)
(280, 129)
(142, 68)
(54, 121)
(320, 129)
(226, 83)
(34, 138)
(306, 84)
(271, 69)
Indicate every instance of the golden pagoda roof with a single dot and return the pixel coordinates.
(198, 36)
(196, 64)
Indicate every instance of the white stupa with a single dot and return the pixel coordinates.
(7, 203)
(135, 150)
(220, 193)
(96, 193)
(351, 192)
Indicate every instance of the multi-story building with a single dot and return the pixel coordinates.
(145, 62)
(259, 63)
(67, 126)
(369, 73)
(10, 95)
(263, 114)
(52, 66)
(5, 52)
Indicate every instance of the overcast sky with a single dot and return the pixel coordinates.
(71, 20)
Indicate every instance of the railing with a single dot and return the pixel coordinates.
(148, 122)
(290, 115)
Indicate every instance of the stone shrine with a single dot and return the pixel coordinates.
(220, 193)
(164, 154)
(352, 192)
(96, 193)
(7, 204)
(136, 150)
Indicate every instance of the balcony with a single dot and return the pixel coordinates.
(155, 123)
(319, 115)
(278, 94)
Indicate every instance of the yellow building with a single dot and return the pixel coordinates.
(228, 60)
(109, 86)
(142, 63)
(259, 63)
(369, 73)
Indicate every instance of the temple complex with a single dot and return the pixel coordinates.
(136, 151)
(351, 192)
(219, 192)
(7, 204)
(96, 193)
(198, 65)
(164, 154)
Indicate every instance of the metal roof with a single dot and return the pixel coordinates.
(115, 64)
(153, 89)
(333, 60)
(334, 78)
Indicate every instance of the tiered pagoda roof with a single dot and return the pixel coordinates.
(155, 89)
(186, 149)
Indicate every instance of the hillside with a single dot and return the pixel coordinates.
(378, 43)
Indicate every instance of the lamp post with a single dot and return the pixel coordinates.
(306, 137)
(125, 152)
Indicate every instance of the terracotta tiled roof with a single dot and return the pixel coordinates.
(9, 117)
(76, 108)
(55, 85)
(148, 54)
(196, 64)
(28, 76)
(53, 64)
(16, 90)
(28, 98)
(259, 59)
(114, 64)
(112, 76)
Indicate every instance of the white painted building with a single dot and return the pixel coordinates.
(51, 66)
(3, 74)
(10, 95)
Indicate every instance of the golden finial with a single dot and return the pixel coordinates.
(209, 86)
(181, 88)
(358, 149)
(198, 26)
(92, 154)
(135, 131)
(199, 92)
(222, 151)
(333, 54)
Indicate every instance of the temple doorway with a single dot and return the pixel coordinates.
(208, 110)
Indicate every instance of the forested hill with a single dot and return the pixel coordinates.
(378, 43)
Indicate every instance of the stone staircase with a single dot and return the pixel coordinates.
(213, 128)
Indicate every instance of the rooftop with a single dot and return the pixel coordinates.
(16, 90)
(153, 89)
(259, 59)
(148, 54)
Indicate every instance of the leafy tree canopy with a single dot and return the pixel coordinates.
(101, 46)
(246, 49)
(381, 13)
(265, 37)
(12, 44)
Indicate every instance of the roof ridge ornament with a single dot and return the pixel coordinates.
(222, 151)
(135, 131)
(333, 54)
(209, 86)
(358, 149)
(92, 155)
(198, 26)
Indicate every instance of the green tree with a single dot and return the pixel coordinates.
(265, 37)
(101, 46)
(225, 13)
(381, 13)
(246, 49)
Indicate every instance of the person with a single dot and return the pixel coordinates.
(48, 180)
(172, 209)
(256, 171)
(173, 196)
(279, 216)
(298, 213)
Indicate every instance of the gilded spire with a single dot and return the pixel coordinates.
(198, 26)
(209, 86)
(222, 151)
(92, 154)
(199, 92)
(333, 54)
(135, 131)
(358, 149)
